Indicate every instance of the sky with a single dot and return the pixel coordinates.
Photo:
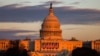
(23, 18)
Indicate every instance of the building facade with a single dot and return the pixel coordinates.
(4, 44)
(96, 45)
(24, 44)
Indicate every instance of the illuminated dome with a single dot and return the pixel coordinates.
(51, 26)
(51, 17)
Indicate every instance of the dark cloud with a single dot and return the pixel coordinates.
(66, 15)
(48, 3)
(10, 34)
(54, 2)
(26, 2)
(75, 3)
(15, 31)
(24, 14)
(79, 16)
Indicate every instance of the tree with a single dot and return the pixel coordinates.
(84, 52)
(73, 39)
(16, 51)
(2, 53)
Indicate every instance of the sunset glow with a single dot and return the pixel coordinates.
(22, 18)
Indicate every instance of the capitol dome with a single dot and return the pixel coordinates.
(50, 26)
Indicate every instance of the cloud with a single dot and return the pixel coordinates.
(14, 31)
(75, 3)
(66, 14)
(11, 6)
(73, 29)
(54, 2)
(26, 2)
(45, 4)
(11, 34)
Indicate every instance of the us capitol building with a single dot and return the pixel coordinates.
(51, 41)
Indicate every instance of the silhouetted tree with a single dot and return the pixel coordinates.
(2, 53)
(73, 39)
(84, 52)
(16, 51)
